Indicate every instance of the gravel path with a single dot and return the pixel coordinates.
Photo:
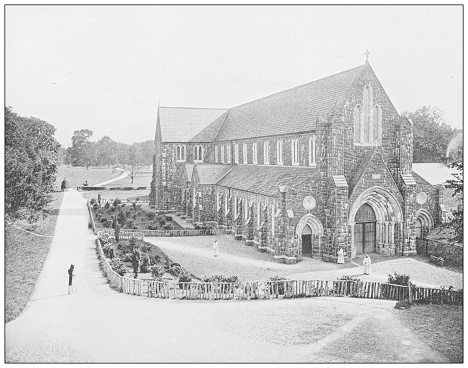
(98, 324)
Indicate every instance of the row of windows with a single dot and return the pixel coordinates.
(227, 158)
(226, 155)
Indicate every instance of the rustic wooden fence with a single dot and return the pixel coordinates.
(286, 289)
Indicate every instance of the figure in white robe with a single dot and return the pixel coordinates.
(215, 248)
(367, 265)
(341, 256)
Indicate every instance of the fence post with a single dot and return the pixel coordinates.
(410, 296)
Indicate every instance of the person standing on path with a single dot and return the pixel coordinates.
(71, 283)
(215, 248)
(340, 256)
(367, 265)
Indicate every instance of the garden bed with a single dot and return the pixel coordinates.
(130, 216)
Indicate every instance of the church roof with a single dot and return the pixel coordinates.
(265, 180)
(211, 174)
(291, 111)
(179, 124)
(434, 173)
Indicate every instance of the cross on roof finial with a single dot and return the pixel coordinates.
(367, 55)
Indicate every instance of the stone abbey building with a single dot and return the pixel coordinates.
(301, 173)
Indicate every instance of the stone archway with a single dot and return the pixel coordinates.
(424, 223)
(310, 229)
(388, 217)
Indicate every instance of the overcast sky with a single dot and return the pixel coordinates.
(105, 68)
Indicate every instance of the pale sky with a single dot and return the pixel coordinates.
(105, 68)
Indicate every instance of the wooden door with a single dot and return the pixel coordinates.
(307, 241)
(419, 232)
(359, 237)
(369, 237)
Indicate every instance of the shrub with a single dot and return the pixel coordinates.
(121, 218)
(167, 227)
(130, 224)
(107, 205)
(127, 257)
(117, 265)
(108, 224)
(116, 202)
(114, 222)
(150, 215)
(157, 272)
(104, 219)
(151, 227)
(168, 218)
(278, 284)
(145, 264)
(104, 238)
(184, 277)
(145, 248)
(157, 259)
(175, 270)
(398, 279)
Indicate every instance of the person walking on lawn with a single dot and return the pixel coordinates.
(71, 280)
(215, 248)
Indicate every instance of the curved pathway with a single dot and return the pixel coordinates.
(98, 324)
(124, 175)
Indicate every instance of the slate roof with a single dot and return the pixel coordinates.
(211, 174)
(265, 180)
(434, 173)
(179, 124)
(291, 111)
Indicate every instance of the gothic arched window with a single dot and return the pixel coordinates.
(367, 120)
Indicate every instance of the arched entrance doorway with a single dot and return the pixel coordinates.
(309, 231)
(382, 216)
(307, 241)
(423, 223)
(419, 229)
(364, 230)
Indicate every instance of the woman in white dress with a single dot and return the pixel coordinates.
(215, 248)
(367, 265)
(341, 256)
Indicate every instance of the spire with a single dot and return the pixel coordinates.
(367, 53)
(157, 135)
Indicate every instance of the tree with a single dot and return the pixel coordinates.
(147, 151)
(431, 134)
(457, 185)
(31, 154)
(106, 151)
(80, 149)
(132, 162)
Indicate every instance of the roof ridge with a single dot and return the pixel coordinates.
(350, 86)
(221, 125)
(293, 88)
(194, 108)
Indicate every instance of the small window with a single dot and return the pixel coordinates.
(279, 152)
(254, 152)
(198, 153)
(266, 152)
(236, 153)
(244, 153)
(216, 154)
(295, 151)
(312, 151)
(228, 153)
(222, 154)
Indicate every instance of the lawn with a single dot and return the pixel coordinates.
(439, 326)
(25, 254)
(76, 176)
(142, 179)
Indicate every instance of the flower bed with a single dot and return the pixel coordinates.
(129, 217)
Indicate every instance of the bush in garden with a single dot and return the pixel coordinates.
(104, 219)
(157, 259)
(104, 238)
(150, 215)
(114, 222)
(108, 224)
(226, 279)
(184, 277)
(175, 270)
(151, 227)
(107, 205)
(117, 265)
(167, 227)
(116, 202)
(117, 232)
(145, 264)
(168, 218)
(121, 218)
(157, 272)
(278, 281)
(127, 257)
(92, 201)
(130, 224)
(398, 279)
(145, 248)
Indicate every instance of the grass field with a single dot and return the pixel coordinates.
(142, 179)
(76, 176)
(439, 326)
(25, 254)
